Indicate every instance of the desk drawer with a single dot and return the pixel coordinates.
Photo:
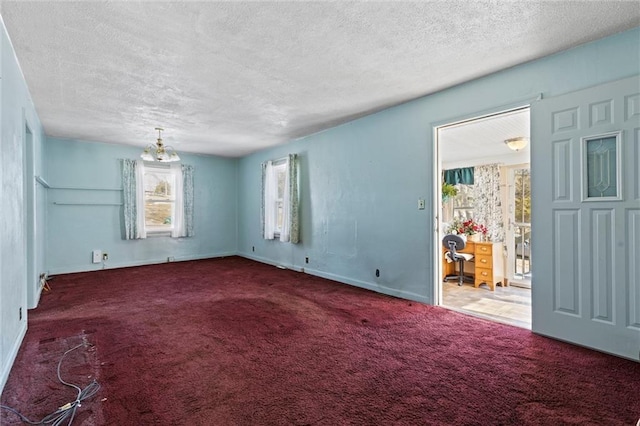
(483, 275)
(484, 261)
(484, 249)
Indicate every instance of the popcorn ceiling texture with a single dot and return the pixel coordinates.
(234, 77)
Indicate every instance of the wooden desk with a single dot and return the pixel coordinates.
(487, 259)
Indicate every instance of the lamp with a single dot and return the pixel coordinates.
(517, 144)
(159, 152)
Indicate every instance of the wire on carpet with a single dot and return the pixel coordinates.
(68, 410)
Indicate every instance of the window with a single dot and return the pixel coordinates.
(600, 167)
(280, 171)
(280, 199)
(463, 203)
(159, 199)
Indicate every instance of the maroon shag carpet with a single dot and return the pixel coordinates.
(235, 342)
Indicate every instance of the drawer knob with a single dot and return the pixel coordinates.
(483, 261)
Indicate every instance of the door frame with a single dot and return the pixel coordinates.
(510, 224)
(437, 178)
(29, 194)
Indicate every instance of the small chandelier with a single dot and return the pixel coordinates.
(159, 152)
(517, 144)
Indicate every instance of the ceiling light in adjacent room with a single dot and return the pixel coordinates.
(517, 144)
(159, 152)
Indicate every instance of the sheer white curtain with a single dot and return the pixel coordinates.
(179, 229)
(270, 198)
(140, 231)
(285, 233)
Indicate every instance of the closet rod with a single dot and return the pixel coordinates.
(57, 203)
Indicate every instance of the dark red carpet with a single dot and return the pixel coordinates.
(235, 342)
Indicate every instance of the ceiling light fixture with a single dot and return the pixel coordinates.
(159, 152)
(517, 144)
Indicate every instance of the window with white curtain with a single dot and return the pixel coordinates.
(280, 172)
(159, 199)
(280, 199)
(161, 196)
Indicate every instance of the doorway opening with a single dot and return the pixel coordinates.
(486, 198)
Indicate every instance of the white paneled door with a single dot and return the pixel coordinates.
(585, 168)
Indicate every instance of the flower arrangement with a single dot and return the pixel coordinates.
(467, 227)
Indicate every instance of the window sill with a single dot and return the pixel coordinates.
(153, 234)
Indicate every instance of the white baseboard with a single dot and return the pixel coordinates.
(13, 353)
(36, 297)
(370, 286)
(271, 262)
(112, 265)
(344, 280)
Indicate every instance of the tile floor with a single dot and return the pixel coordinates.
(510, 305)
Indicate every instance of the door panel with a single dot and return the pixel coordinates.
(586, 286)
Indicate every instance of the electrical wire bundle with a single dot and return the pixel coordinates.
(68, 410)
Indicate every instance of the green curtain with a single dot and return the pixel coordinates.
(187, 187)
(294, 213)
(463, 175)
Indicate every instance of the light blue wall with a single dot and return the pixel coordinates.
(77, 228)
(360, 182)
(16, 281)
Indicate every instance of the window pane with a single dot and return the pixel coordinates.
(523, 196)
(158, 213)
(463, 203)
(159, 199)
(602, 167)
(281, 177)
(279, 215)
(281, 173)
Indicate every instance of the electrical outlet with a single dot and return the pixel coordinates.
(97, 256)
(105, 256)
(20, 313)
(306, 260)
(171, 259)
(253, 248)
(421, 204)
(377, 272)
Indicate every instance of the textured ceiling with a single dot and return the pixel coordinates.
(231, 78)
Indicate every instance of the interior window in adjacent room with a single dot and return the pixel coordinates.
(463, 203)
